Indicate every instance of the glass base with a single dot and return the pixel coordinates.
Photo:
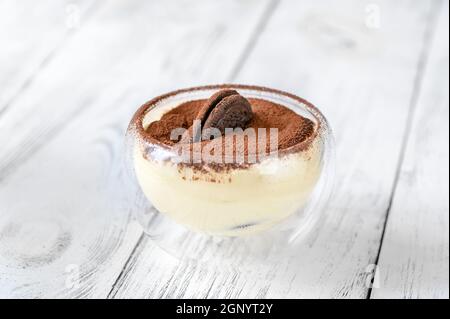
(264, 247)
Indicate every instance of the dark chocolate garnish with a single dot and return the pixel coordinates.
(225, 109)
(232, 112)
(212, 102)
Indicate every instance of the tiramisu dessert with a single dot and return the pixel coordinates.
(227, 160)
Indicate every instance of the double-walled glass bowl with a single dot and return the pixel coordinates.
(201, 211)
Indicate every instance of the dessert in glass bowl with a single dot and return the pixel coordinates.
(230, 161)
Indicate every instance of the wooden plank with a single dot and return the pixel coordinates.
(31, 33)
(414, 260)
(362, 77)
(66, 223)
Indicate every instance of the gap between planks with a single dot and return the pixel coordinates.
(122, 272)
(427, 40)
(265, 17)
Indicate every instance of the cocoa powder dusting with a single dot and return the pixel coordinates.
(292, 127)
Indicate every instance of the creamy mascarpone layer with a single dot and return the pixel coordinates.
(232, 203)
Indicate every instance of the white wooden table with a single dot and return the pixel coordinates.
(73, 72)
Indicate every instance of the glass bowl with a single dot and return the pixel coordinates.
(200, 209)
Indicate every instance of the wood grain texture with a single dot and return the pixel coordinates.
(66, 226)
(31, 32)
(66, 202)
(414, 260)
(362, 76)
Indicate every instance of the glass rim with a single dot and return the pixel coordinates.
(136, 124)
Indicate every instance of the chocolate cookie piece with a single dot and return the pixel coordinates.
(231, 112)
(212, 102)
(225, 109)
